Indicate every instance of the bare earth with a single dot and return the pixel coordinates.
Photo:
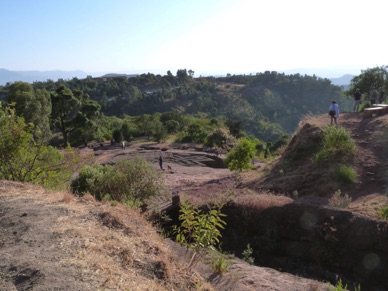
(53, 241)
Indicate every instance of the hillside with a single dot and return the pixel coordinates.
(52, 240)
(301, 174)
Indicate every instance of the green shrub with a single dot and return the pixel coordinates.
(384, 212)
(88, 180)
(126, 181)
(338, 200)
(337, 145)
(345, 174)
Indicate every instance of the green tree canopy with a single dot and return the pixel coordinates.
(369, 79)
(24, 159)
(72, 110)
(33, 105)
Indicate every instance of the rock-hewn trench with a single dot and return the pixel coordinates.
(313, 242)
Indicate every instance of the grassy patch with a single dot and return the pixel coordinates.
(383, 212)
(345, 174)
(337, 145)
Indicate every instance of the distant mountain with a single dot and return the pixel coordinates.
(32, 76)
(114, 75)
(342, 81)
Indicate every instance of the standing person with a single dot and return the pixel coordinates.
(161, 162)
(381, 96)
(357, 100)
(373, 96)
(334, 112)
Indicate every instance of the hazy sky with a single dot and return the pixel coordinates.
(207, 36)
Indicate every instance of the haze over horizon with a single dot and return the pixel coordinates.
(210, 37)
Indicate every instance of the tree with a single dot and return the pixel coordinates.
(172, 126)
(24, 159)
(241, 156)
(33, 105)
(159, 132)
(196, 133)
(371, 78)
(126, 131)
(72, 110)
(145, 124)
(236, 127)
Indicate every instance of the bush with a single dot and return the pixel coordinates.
(346, 174)
(338, 200)
(241, 156)
(337, 145)
(89, 180)
(126, 181)
(384, 212)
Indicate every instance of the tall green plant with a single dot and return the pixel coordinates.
(199, 231)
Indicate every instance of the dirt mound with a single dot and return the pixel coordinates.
(296, 173)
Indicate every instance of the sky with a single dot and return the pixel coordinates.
(210, 37)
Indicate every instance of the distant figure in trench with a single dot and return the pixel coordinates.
(382, 95)
(357, 100)
(161, 162)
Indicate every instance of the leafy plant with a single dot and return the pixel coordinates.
(247, 255)
(341, 287)
(339, 200)
(384, 212)
(199, 231)
(346, 174)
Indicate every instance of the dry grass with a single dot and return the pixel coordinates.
(127, 252)
(112, 247)
(262, 201)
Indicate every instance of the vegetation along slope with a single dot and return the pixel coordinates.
(267, 188)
